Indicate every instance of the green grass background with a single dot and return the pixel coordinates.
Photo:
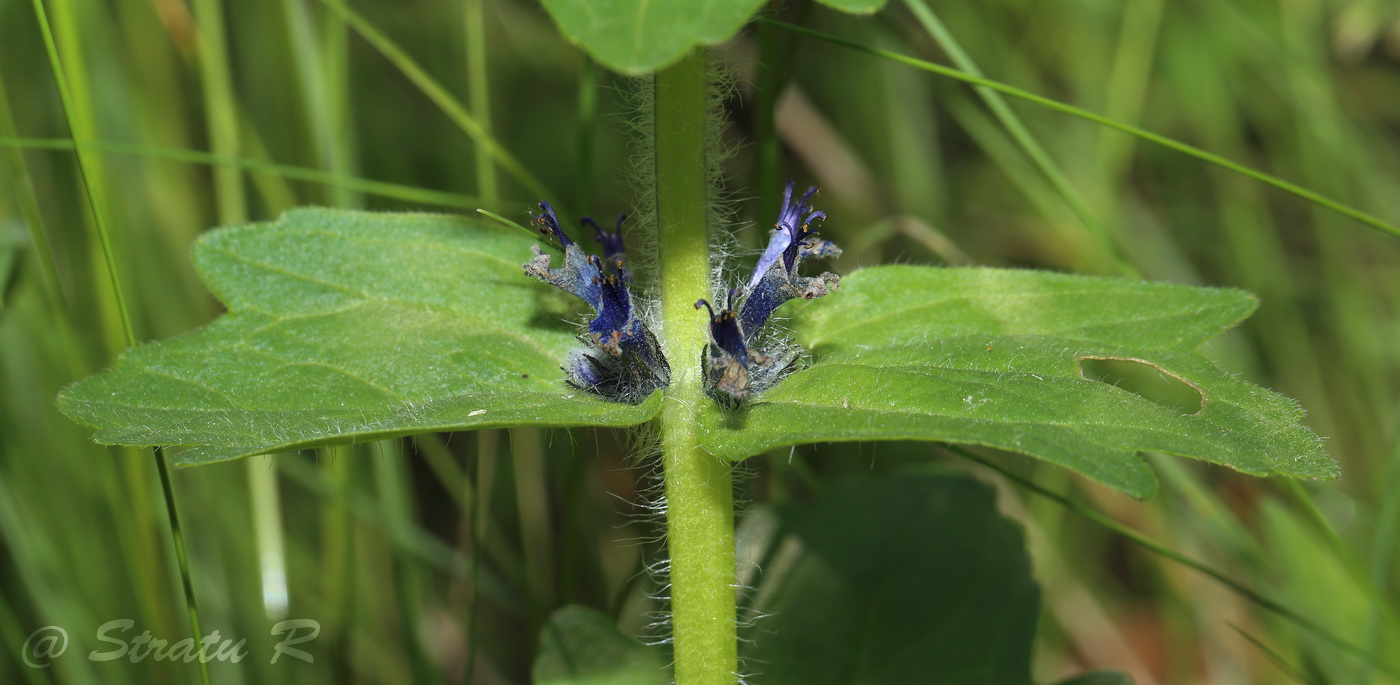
(440, 557)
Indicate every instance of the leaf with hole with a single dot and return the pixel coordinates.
(992, 357)
(351, 326)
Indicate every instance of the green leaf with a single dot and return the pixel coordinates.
(639, 36)
(580, 646)
(350, 326)
(897, 578)
(1098, 678)
(855, 6)
(991, 357)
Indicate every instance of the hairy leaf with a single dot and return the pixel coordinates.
(638, 36)
(350, 326)
(581, 646)
(906, 578)
(992, 357)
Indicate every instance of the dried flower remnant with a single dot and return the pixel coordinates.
(621, 359)
(736, 369)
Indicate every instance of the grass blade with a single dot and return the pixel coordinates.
(1291, 188)
(479, 91)
(162, 468)
(29, 208)
(1275, 657)
(439, 95)
(1023, 137)
(397, 191)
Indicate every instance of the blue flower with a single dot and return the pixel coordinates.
(611, 242)
(775, 280)
(736, 368)
(788, 233)
(730, 356)
(622, 359)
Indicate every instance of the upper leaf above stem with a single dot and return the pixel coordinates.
(639, 37)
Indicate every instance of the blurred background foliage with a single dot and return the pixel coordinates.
(442, 556)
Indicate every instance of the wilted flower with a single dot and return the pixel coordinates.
(622, 360)
(736, 368)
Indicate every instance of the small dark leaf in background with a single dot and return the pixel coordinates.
(581, 646)
(908, 578)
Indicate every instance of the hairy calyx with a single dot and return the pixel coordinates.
(736, 368)
(621, 360)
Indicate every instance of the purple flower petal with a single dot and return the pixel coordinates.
(624, 361)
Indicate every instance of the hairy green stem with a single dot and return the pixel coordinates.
(699, 486)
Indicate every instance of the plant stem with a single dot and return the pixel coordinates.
(699, 486)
